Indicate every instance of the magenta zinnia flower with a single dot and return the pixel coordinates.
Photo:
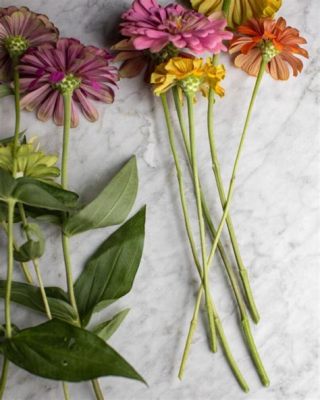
(46, 73)
(21, 29)
(153, 27)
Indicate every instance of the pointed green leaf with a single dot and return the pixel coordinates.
(111, 206)
(107, 328)
(39, 194)
(57, 350)
(36, 193)
(30, 296)
(110, 271)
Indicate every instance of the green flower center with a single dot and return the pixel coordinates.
(190, 85)
(268, 50)
(16, 45)
(68, 84)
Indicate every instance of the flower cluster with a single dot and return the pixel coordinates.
(189, 74)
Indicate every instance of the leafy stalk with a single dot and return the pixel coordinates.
(11, 206)
(67, 101)
(194, 320)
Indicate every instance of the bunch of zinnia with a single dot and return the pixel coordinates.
(167, 41)
(57, 78)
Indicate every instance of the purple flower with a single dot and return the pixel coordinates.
(153, 27)
(21, 29)
(46, 73)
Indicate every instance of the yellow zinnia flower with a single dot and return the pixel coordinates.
(239, 11)
(30, 162)
(190, 74)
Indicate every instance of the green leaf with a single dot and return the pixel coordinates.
(106, 329)
(30, 296)
(41, 214)
(35, 193)
(5, 90)
(110, 271)
(32, 248)
(111, 206)
(39, 194)
(7, 184)
(57, 350)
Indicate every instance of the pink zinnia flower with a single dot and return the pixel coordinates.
(70, 66)
(21, 29)
(153, 27)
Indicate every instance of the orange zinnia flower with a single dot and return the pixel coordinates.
(271, 40)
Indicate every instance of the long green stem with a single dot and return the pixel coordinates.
(235, 166)
(4, 376)
(194, 320)
(192, 329)
(67, 101)
(231, 275)
(217, 173)
(97, 389)
(261, 371)
(64, 182)
(66, 393)
(16, 81)
(196, 183)
(11, 205)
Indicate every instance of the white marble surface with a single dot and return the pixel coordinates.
(275, 212)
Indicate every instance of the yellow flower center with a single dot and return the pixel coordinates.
(16, 45)
(68, 84)
(268, 50)
(191, 84)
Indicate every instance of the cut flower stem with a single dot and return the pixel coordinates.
(196, 184)
(217, 174)
(194, 320)
(245, 324)
(255, 357)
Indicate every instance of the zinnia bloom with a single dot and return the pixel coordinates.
(21, 29)
(190, 75)
(153, 27)
(84, 70)
(239, 11)
(30, 161)
(133, 61)
(273, 40)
